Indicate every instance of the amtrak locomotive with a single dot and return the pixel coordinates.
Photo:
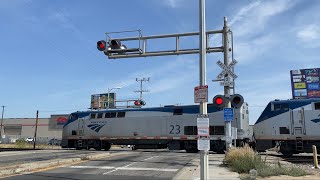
(291, 124)
(172, 127)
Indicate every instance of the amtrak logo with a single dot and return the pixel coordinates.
(96, 127)
(316, 120)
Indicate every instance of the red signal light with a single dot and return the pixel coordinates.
(137, 103)
(101, 45)
(219, 101)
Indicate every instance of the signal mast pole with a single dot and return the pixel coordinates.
(227, 88)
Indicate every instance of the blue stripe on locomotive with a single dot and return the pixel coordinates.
(191, 109)
(292, 104)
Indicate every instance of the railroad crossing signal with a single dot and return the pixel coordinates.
(236, 100)
(227, 69)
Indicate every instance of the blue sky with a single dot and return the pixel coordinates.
(49, 60)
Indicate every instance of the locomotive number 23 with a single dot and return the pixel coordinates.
(175, 129)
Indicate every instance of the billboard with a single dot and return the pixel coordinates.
(103, 101)
(305, 83)
(57, 121)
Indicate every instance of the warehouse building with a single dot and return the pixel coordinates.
(22, 128)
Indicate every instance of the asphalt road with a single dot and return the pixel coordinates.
(140, 164)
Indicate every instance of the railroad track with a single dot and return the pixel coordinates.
(306, 158)
(16, 149)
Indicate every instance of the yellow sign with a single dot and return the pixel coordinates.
(301, 85)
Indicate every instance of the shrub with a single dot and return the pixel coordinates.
(21, 143)
(242, 160)
(269, 170)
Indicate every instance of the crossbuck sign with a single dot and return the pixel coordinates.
(227, 70)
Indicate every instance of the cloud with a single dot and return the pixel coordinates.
(62, 18)
(309, 34)
(252, 18)
(247, 51)
(173, 3)
(243, 12)
(252, 37)
(167, 76)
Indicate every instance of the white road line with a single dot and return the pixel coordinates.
(129, 164)
(92, 167)
(150, 158)
(110, 171)
(118, 168)
(147, 169)
(123, 168)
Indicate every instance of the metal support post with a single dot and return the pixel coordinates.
(35, 132)
(227, 88)
(109, 98)
(204, 174)
(315, 156)
(1, 123)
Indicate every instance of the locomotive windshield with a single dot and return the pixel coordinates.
(73, 116)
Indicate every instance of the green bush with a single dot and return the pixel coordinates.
(21, 143)
(268, 170)
(243, 159)
(274, 170)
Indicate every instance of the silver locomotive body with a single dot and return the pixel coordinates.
(292, 125)
(172, 127)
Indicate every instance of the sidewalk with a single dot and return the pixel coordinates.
(217, 171)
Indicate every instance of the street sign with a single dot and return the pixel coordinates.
(203, 132)
(203, 122)
(228, 114)
(204, 144)
(203, 126)
(227, 83)
(201, 94)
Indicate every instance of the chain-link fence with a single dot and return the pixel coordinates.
(9, 139)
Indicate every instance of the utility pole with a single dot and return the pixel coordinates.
(227, 88)
(1, 122)
(141, 90)
(35, 131)
(204, 163)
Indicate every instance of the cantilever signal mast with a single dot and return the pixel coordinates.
(141, 89)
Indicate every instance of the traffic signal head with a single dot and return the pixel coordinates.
(139, 103)
(236, 100)
(142, 103)
(115, 44)
(219, 101)
(101, 45)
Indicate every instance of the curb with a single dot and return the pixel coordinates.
(28, 167)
